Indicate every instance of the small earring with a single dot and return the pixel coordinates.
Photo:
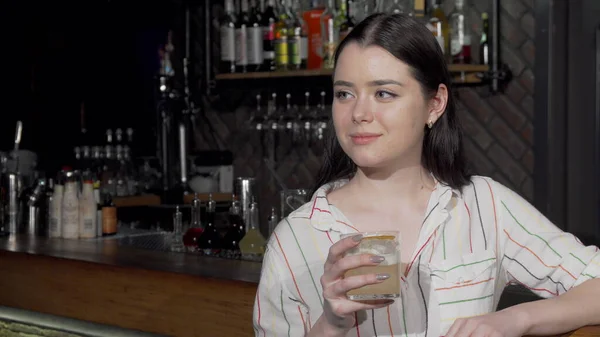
(430, 124)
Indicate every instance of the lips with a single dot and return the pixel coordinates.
(364, 138)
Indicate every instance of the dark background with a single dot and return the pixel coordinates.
(58, 55)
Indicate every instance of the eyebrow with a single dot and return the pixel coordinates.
(371, 83)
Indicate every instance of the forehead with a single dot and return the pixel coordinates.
(368, 63)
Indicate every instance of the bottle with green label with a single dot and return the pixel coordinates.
(282, 57)
(295, 36)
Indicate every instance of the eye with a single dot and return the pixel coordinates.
(342, 95)
(384, 95)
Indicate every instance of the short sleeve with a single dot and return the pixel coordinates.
(277, 312)
(538, 254)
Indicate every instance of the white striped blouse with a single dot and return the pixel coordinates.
(471, 246)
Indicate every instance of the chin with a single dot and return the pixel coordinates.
(367, 160)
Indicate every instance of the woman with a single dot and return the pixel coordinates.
(396, 163)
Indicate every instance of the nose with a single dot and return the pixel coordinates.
(363, 111)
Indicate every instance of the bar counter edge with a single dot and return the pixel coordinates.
(170, 294)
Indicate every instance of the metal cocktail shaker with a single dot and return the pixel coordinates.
(12, 220)
(245, 189)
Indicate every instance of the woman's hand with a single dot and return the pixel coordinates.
(505, 323)
(338, 310)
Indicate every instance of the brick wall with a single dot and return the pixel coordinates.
(499, 129)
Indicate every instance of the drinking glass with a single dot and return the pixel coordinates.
(381, 243)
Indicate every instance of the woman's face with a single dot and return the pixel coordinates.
(379, 111)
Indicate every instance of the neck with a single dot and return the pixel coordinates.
(403, 184)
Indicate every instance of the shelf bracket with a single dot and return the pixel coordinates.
(497, 78)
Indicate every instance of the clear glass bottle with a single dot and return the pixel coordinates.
(253, 244)
(460, 35)
(177, 240)
(298, 13)
(329, 34)
(192, 235)
(438, 24)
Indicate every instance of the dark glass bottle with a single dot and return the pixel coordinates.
(235, 233)
(269, 20)
(210, 242)
(241, 38)
(255, 39)
(227, 30)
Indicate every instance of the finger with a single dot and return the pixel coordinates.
(351, 262)
(338, 249)
(344, 307)
(341, 287)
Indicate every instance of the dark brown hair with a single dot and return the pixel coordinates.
(412, 43)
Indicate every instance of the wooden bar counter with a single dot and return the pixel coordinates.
(164, 293)
(99, 281)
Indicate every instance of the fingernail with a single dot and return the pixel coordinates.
(377, 259)
(382, 277)
(357, 238)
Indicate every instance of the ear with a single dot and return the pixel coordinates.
(437, 104)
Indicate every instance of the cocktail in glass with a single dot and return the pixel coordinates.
(387, 245)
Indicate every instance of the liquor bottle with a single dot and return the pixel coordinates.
(253, 244)
(295, 36)
(55, 230)
(241, 38)
(298, 15)
(236, 231)
(255, 39)
(190, 239)
(177, 240)
(70, 207)
(282, 56)
(438, 24)
(398, 6)
(109, 216)
(329, 35)
(342, 20)
(209, 242)
(269, 18)
(460, 36)
(484, 44)
(87, 210)
(227, 29)
(272, 221)
(312, 19)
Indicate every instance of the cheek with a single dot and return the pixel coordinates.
(340, 118)
(405, 123)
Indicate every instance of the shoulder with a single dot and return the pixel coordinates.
(486, 187)
(292, 227)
